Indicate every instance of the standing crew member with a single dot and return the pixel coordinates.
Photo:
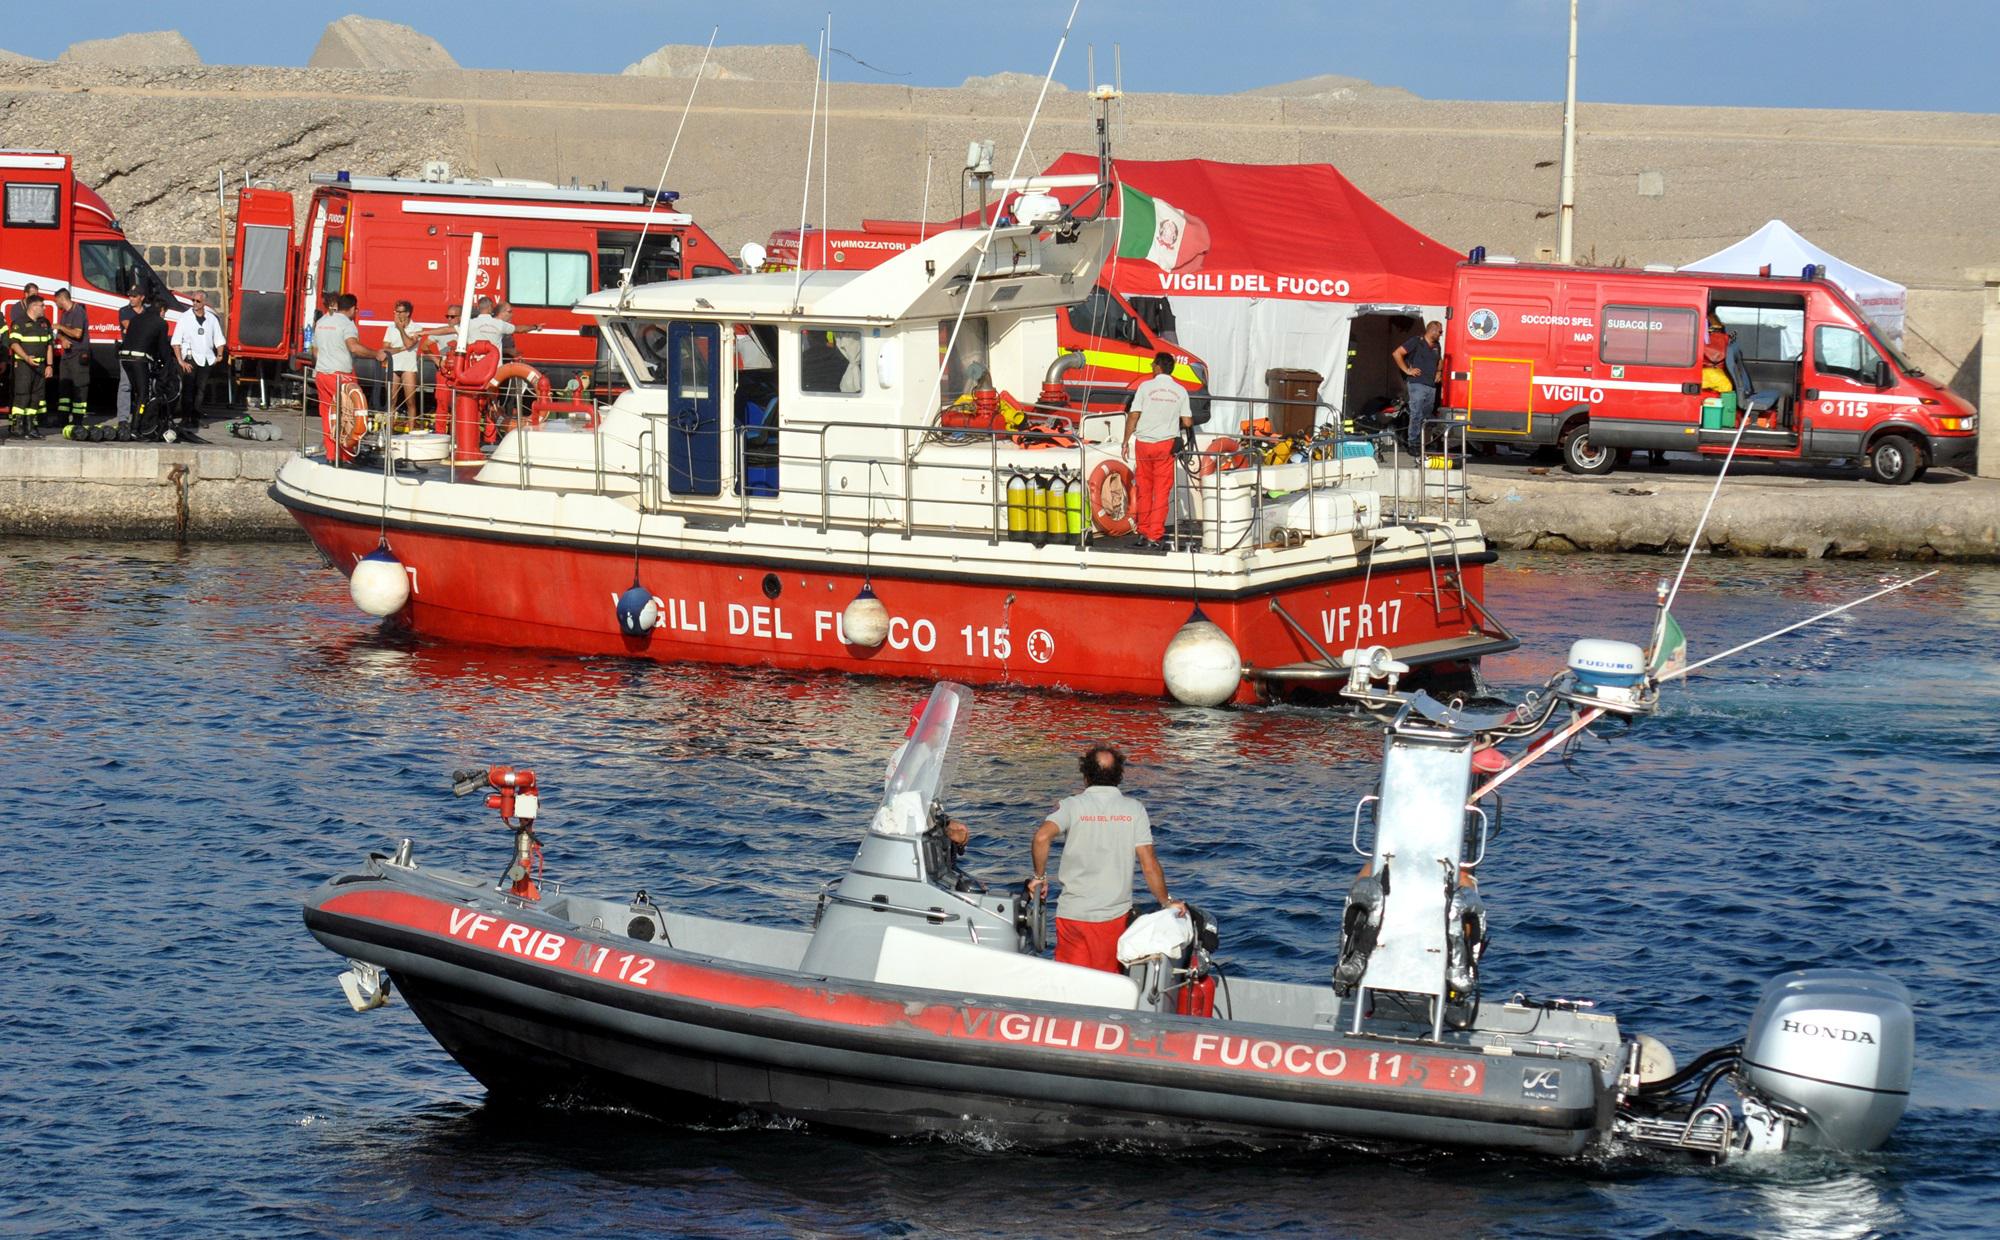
(1422, 365)
(144, 355)
(335, 342)
(400, 341)
(198, 341)
(1103, 833)
(16, 315)
(1158, 412)
(72, 324)
(128, 394)
(494, 325)
(30, 344)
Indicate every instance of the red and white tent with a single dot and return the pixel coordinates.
(1266, 265)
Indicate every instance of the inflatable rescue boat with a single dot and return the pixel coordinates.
(920, 999)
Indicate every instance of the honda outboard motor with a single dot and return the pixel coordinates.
(1831, 1050)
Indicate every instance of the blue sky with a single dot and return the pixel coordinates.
(1929, 55)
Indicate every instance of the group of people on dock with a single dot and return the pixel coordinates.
(164, 370)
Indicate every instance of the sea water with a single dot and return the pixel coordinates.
(191, 739)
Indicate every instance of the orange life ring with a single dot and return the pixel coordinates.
(1223, 453)
(351, 427)
(1111, 499)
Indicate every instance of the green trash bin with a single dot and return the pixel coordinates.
(1718, 413)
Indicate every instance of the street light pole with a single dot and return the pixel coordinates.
(1566, 209)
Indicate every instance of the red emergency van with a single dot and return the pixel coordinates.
(1602, 361)
(542, 247)
(1106, 342)
(56, 232)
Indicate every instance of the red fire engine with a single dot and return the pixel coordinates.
(56, 232)
(1604, 361)
(386, 239)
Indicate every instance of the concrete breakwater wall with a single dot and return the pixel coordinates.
(142, 491)
(218, 493)
(1946, 517)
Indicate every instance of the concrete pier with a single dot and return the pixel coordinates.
(1762, 510)
(214, 490)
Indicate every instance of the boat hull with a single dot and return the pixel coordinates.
(536, 1008)
(751, 609)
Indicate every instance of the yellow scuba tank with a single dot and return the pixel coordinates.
(1058, 505)
(1017, 507)
(1073, 508)
(1038, 508)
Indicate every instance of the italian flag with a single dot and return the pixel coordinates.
(1150, 228)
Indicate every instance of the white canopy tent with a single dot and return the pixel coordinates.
(1777, 246)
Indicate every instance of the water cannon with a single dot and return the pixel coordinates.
(515, 794)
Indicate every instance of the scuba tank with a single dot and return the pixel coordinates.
(1073, 508)
(1058, 507)
(1038, 508)
(1017, 507)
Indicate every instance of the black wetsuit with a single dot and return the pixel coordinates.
(144, 353)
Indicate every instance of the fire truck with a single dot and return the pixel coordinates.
(1600, 362)
(56, 232)
(541, 247)
(1107, 341)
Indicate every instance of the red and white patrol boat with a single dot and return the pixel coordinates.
(802, 475)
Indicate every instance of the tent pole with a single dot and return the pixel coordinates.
(1566, 210)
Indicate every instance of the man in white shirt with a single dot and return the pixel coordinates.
(494, 325)
(1104, 833)
(198, 342)
(335, 342)
(1158, 413)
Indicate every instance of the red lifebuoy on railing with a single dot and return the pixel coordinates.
(1222, 453)
(351, 426)
(1111, 499)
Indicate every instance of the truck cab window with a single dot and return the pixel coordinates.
(1100, 315)
(115, 267)
(1844, 351)
(661, 261)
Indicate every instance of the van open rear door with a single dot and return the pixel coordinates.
(264, 276)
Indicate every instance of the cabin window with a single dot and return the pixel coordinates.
(115, 267)
(967, 365)
(547, 277)
(829, 361)
(336, 266)
(33, 205)
(1844, 351)
(661, 261)
(641, 345)
(700, 272)
(1649, 335)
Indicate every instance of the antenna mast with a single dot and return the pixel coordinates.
(625, 276)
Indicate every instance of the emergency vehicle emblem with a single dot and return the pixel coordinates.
(1483, 325)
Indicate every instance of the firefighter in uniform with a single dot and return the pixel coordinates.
(144, 356)
(30, 347)
(72, 327)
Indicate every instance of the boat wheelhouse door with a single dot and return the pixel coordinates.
(694, 409)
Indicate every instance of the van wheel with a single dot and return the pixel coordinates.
(1893, 460)
(1580, 456)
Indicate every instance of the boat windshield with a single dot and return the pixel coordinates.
(925, 767)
